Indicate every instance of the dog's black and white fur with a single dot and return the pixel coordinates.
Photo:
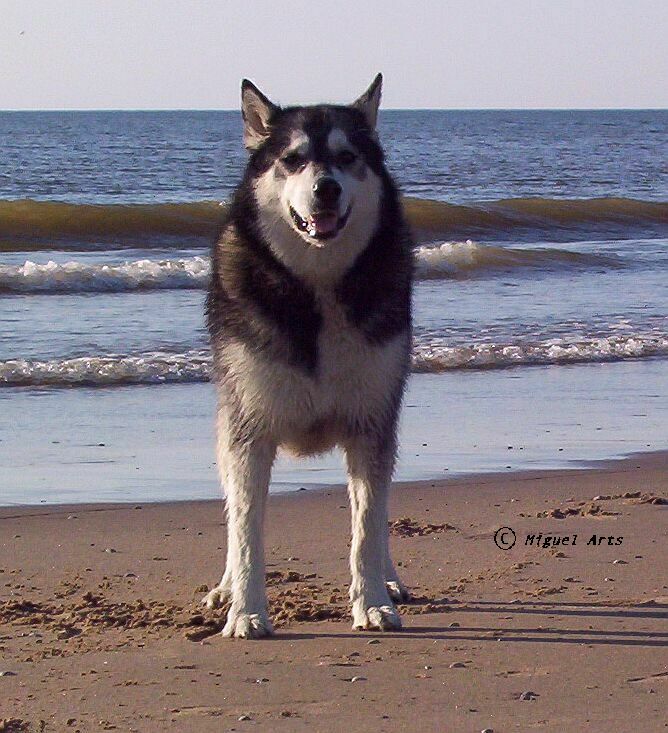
(310, 323)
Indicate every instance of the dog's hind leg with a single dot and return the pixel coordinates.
(370, 463)
(220, 595)
(396, 589)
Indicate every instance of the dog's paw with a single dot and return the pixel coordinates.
(397, 591)
(247, 625)
(217, 597)
(379, 618)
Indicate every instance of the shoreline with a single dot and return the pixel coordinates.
(141, 444)
(100, 618)
(647, 460)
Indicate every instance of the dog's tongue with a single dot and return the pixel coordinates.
(324, 223)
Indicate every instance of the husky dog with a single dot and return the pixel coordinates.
(310, 323)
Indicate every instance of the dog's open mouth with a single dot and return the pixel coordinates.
(321, 225)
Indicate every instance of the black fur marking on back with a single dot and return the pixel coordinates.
(254, 298)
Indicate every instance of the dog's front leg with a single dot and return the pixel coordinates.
(370, 464)
(247, 472)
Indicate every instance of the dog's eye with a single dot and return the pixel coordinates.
(345, 157)
(293, 161)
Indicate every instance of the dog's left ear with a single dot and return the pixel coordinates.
(257, 112)
(369, 102)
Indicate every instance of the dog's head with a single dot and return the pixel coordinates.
(316, 173)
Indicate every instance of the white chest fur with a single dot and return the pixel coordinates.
(354, 380)
(353, 374)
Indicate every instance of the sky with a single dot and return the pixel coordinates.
(452, 54)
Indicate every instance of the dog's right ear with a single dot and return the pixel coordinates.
(257, 112)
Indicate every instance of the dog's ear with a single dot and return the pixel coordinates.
(257, 112)
(369, 102)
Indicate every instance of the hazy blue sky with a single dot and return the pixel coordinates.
(108, 54)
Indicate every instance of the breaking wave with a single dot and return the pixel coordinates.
(27, 224)
(428, 357)
(445, 260)
(76, 277)
(458, 259)
(107, 371)
(435, 357)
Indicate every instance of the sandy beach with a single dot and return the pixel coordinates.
(100, 626)
(210, 230)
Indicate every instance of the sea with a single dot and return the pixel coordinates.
(541, 297)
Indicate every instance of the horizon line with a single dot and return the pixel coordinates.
(386, 109)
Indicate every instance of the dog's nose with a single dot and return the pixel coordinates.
(326, 191)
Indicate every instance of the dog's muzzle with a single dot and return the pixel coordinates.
(320, 225)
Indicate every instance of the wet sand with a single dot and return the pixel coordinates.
(100, 626)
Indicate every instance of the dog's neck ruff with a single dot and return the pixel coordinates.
(319, 263)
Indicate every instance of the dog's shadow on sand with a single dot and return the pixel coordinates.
(508, 632)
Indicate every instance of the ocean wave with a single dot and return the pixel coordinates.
(431, 357)
(27, 224)
(107, 371)
(436, 357)
(558, 218)
(76, 277)
(445, 260)
(458, 259)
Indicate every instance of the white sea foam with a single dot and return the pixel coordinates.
(452, 259)
(447, 259)
(111, 370)
(77, 277)
(436, 357)
(429, 356)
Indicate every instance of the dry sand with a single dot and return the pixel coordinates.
(100, 627)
